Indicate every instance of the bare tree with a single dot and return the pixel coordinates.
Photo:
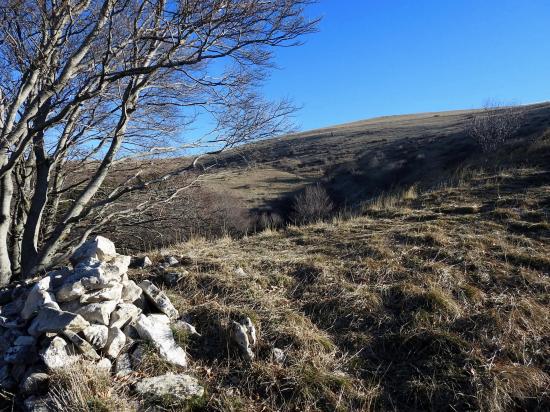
(312, 205)
(495, 125)
(89, 86)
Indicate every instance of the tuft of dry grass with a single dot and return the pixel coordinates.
(82, 387)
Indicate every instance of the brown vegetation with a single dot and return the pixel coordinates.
(428, 301)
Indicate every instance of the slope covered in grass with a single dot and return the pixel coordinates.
(438, 300)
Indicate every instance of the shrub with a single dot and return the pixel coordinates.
(312, 205)
(494, 126)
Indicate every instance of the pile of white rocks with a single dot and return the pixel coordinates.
(91, 311)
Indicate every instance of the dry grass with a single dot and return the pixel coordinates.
(83, 387)
(430, 301)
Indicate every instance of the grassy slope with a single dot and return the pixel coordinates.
(356, 160)
(437, 301)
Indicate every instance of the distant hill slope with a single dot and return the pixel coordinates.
(357, 160)
(253, 184)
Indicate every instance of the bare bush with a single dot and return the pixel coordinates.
(495, 125)
(312, 205)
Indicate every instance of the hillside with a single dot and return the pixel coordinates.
(425, 301)
(355, 162)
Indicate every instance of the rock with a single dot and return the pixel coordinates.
(138, 355)
(187, 327)
(7, 323)
(115, 342)
(5, 296)
(98, 312)
(250, 330)
(99, 248)
(123, 365)
(240, 336)
(170, 261)
(97, 335)
(55, 355)
(73, 306)
(141, 262)
(122, 263)
(36, 404)
(14, 308)
(70, 291)
(51, 320)
(112, 293)
(38, 297)
(278, 356)
(85, 348)
(124, 314)
(22, 351)
(159, 299)
(156, 329)
(131, 332)
(6, 381)
(171, 278)
(131, 292)
(104, 364)
(180, 387)
(240, 272)
(34, 382)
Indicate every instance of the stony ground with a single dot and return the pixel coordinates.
(432, 301)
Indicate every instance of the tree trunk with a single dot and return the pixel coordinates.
(6, 194)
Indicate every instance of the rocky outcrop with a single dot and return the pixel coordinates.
(91, 311)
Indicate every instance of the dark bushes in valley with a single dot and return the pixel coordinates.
(311, 205)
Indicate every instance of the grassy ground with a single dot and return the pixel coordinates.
(431, 301)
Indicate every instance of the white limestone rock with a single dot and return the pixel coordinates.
(56, 354)
(156, 329)
(124, 314)
(187, 327)
(159, 299)
(70, 291)
(250, 330)
(131, 292)
(240, 336)
(111, 293)
(51, 320)
(170, 261)
(38, 296)
(278, 356)
(98, 312)
(115, 342)
(104, 364)
(99, 248)
(97, 335)
(83, 347)
(141, 262)
(180, 386)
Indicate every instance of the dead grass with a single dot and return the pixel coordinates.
(83, 387)
(431, 301)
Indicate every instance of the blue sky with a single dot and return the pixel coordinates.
(381, 57)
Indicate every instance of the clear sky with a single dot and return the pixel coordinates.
(381, 57)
